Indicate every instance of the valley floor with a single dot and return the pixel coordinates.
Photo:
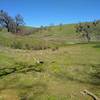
(60, 74)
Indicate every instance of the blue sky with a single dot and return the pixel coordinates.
(46, 12)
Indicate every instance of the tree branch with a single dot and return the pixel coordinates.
(91, 95)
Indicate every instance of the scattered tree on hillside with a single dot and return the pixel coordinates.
(41, 27)
(96, 22)
(19, 22)
(10, 23)
(6, 21)
(84, 29)
(60, 26)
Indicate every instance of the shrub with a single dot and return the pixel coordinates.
(28, 47)
(0, 29)
(17, 45)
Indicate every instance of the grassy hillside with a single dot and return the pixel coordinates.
(45, 38)
(49, 64)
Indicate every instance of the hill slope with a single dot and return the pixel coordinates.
(46, 37)
(52, 36)
(48, 64)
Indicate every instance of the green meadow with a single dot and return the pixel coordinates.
(50, 64)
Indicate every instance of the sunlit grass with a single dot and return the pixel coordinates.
(64, 74)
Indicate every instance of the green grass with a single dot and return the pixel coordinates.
(51, 37)
(49, 64)
(43, 39)
(63, 75)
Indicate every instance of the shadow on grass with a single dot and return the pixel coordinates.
(88, 76)
(97, 46)
(20, 67)
(97, 43)
(31, 92)
(95, 75)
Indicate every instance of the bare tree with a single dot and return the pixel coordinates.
(96, 22)
(12, 25)
(84, 29)
(60, 26)
(6, 20)
(19, 22)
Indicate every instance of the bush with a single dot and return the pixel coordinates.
(0, 29)
(39, 47)
(17, 45)
(27, 46)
